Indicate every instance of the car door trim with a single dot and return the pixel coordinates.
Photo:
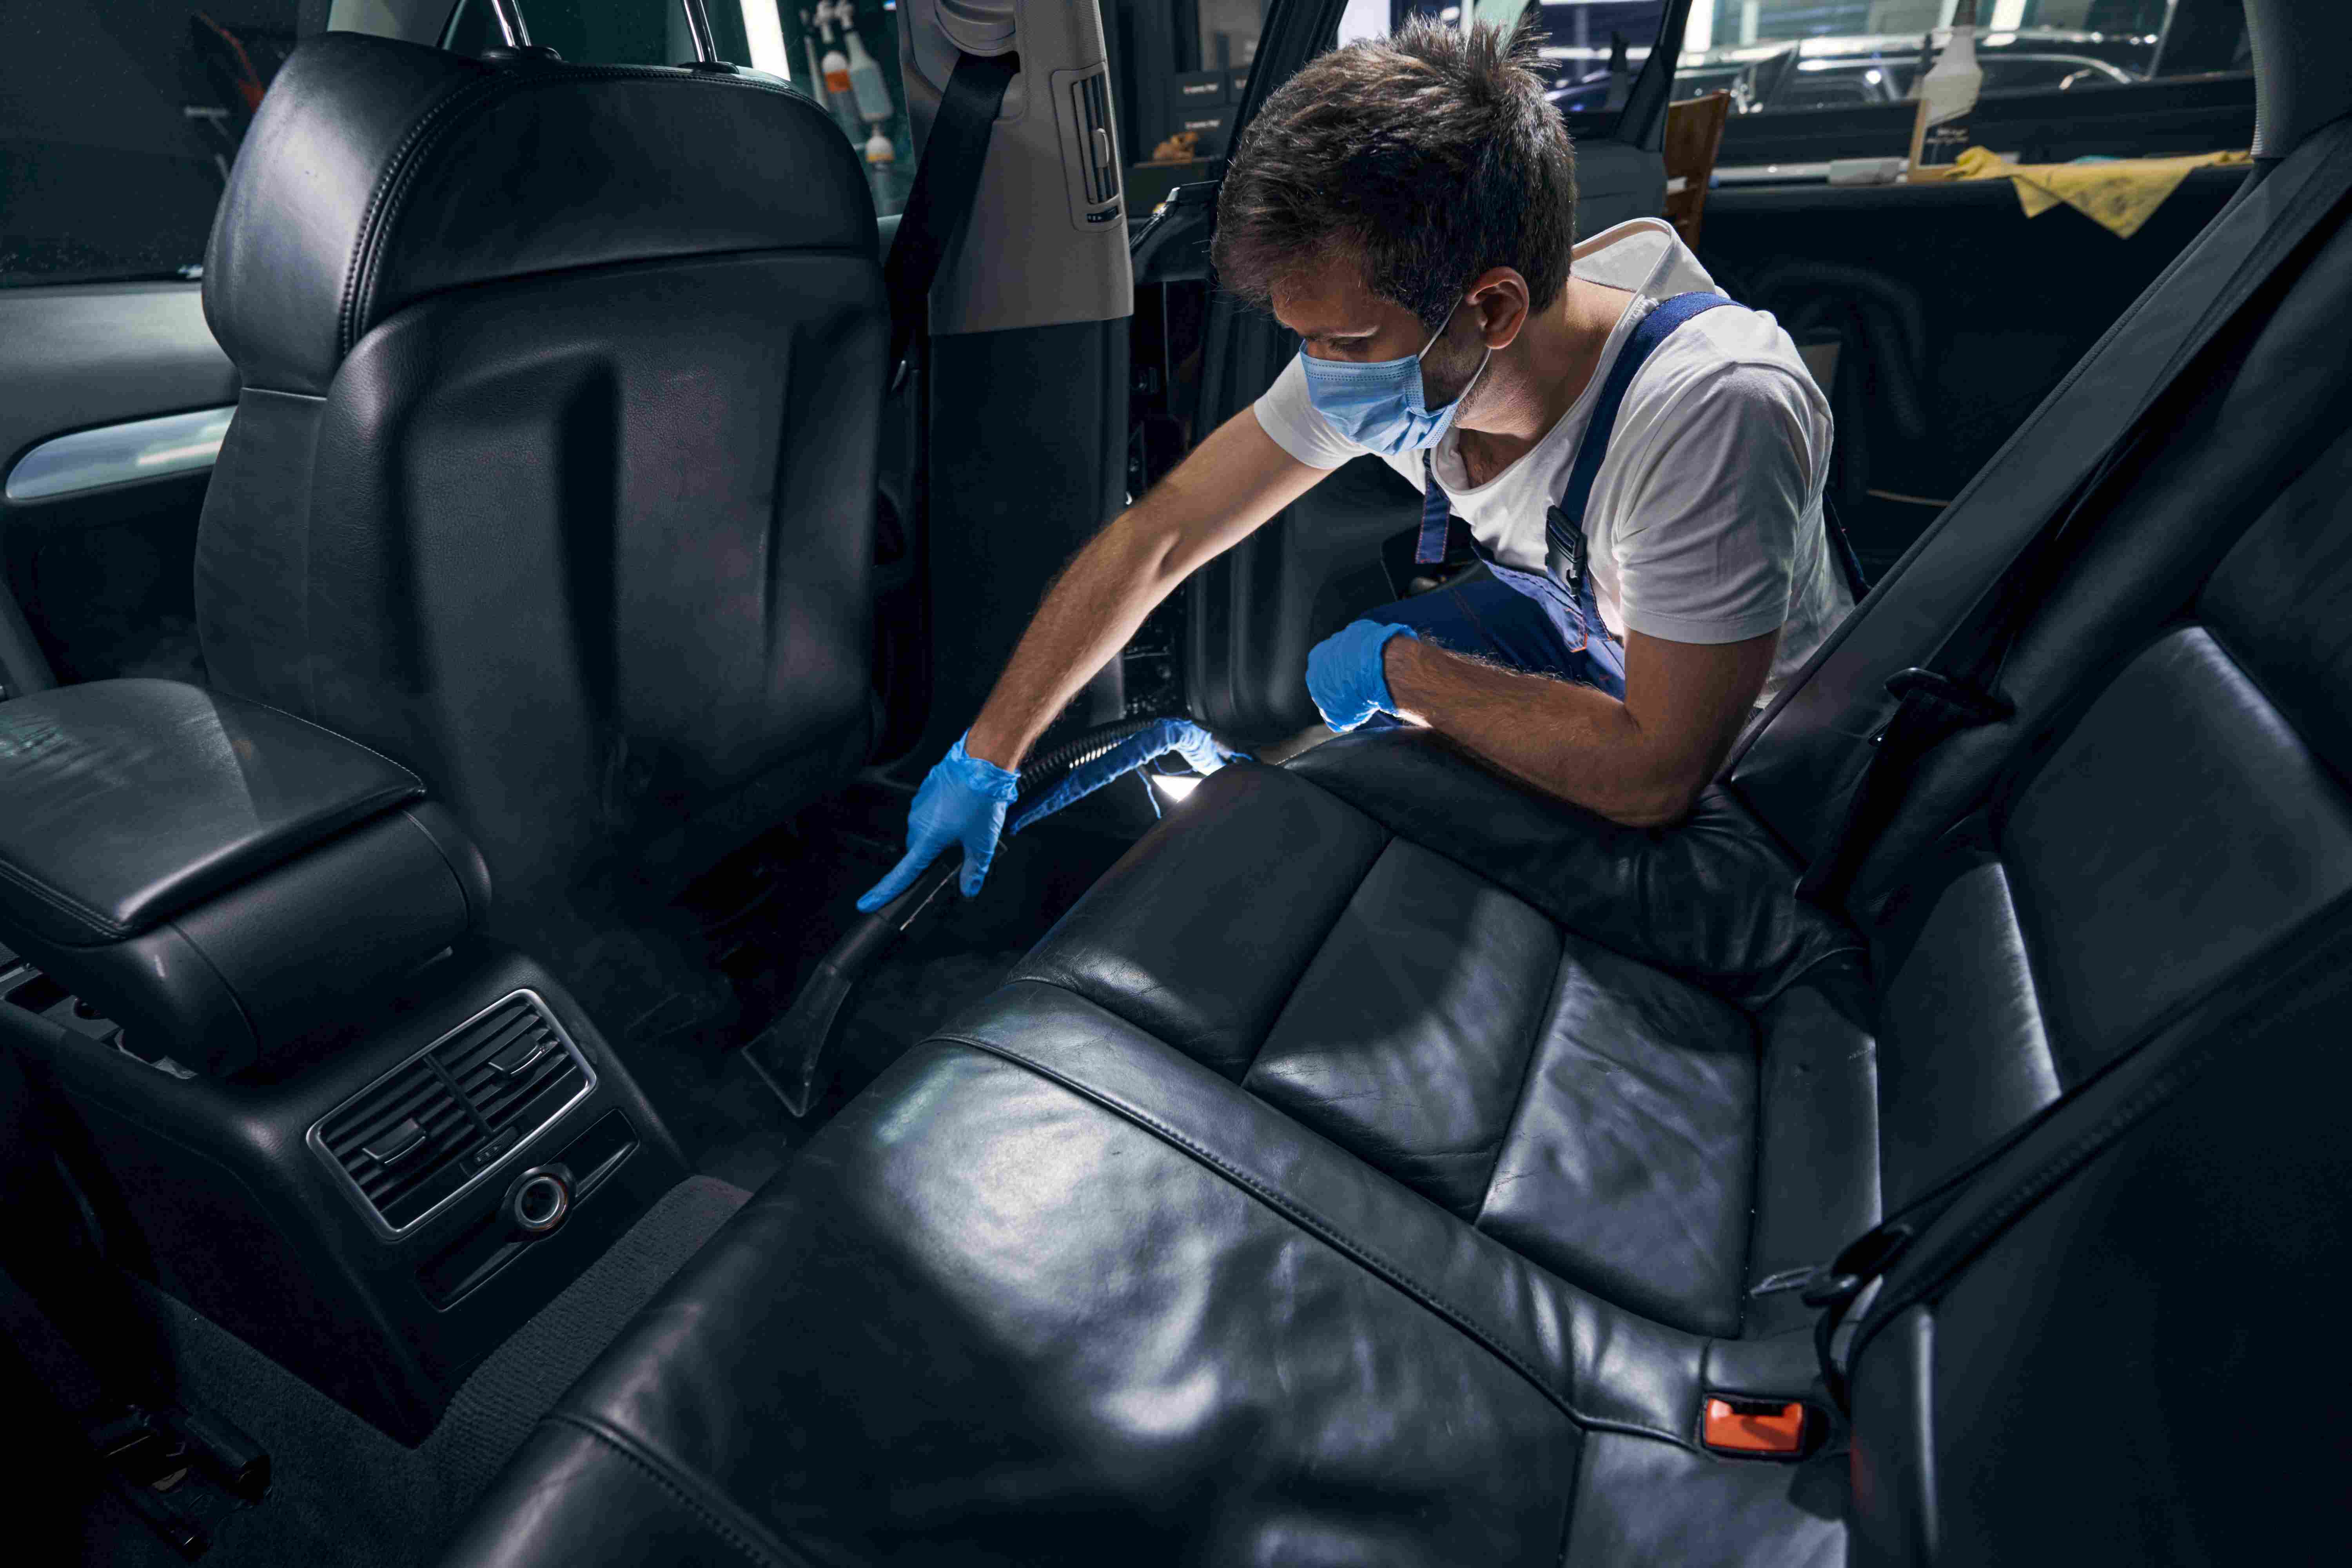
(128, 453)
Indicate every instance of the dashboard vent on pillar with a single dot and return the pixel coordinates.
(1090, 98)
(450, 1115)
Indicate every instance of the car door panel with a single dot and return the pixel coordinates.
(96, 562)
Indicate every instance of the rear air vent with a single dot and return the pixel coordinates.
(448, 1116)
(1090, 102)
(396, 1139)
(506, 1063)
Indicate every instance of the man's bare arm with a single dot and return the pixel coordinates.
(1640, 761)
(1230, 485)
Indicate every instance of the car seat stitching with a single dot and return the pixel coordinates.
(1388, 842)
(1307, 1219)
(374, 222)
(1567, 1508)
(1527, 1080)
(740, 1533)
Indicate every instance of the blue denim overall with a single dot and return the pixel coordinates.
(1545, 622)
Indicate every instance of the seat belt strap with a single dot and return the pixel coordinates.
(1955, 690)
(1906, 1257)
(1564, 522)
(1849, 562)
(947, 184)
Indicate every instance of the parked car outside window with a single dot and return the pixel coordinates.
(1817, 59)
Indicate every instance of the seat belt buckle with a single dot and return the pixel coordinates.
(1834, 1285)
(1758, 1428)
(1981, 708)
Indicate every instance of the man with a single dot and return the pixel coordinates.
(1640, 462)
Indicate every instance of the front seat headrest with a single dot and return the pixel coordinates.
(379, 172)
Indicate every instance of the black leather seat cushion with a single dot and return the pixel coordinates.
(1144, 1245)
(1515, 1060)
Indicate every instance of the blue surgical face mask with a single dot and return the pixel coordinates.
(1383, 405)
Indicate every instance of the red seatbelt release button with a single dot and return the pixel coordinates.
(1755, 1427)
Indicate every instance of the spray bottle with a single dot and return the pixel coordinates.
(1946, 94)
(835, 65)
(870, 92)
(817, 67)
(866, 83)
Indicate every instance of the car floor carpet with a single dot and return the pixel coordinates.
(344, 1495)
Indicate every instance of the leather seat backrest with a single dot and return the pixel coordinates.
(2167, 804)
(553, 471)
(2165, 821)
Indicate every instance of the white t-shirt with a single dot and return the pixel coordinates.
(1706, 519)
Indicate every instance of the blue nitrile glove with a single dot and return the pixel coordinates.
(1346, 674)
(1202, 752)
(962, 801)
(1180, 737)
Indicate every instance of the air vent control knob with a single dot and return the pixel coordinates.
(539, 1200)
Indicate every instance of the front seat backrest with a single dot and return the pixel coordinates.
(553, 471)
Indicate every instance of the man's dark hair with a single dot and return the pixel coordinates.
(1426, 157)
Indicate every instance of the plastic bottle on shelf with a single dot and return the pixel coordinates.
(881, 161)
(1946, 94)
(836, 65)
(866, 83)
(828, 69)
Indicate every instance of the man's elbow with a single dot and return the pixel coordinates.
(1657, 802)
(1145, 545)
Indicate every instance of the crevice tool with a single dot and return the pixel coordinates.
(788, 1052)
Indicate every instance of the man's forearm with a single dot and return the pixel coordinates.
(1566, 740)
(1235, 480)
(1088, 615)
(1642, 762)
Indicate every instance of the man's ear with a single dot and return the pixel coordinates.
(1499, 295)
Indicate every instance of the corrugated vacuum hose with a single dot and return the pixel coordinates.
(789, 1052)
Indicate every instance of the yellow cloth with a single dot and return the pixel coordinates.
(2118, 194)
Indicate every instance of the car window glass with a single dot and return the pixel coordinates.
(1593, 49)
(118, 124)
(842, 53)
(1792, 56)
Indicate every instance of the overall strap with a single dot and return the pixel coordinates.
(1564, 522)
(1436, 516)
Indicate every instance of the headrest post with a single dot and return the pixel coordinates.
(698, 27)
(508, 14)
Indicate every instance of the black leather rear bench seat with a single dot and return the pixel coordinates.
(1305, 1196)
(1380, 1165)
(1571, 1036)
